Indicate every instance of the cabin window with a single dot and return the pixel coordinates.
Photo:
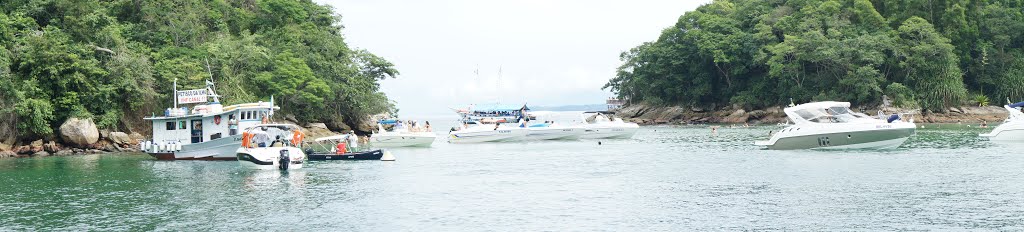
(244, 116)
(170, 125)
(182, 125)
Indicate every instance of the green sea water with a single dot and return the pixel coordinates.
(664, 179)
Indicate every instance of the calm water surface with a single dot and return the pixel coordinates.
(666, 178)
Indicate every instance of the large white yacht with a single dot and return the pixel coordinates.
(475, 132)
(602, 127)
(210, 131)
(832, 125)
(1012, 129)
(271, 146)
(401, 136)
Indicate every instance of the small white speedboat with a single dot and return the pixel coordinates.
(832, 125)
(601, 127)
(271, 146)
(401, 137)
(473, 132)
(553, 131)
(1012, 129)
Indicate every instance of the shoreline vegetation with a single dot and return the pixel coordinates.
(736, 60)
(80, 76)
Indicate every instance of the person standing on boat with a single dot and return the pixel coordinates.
(353, 140)
(232, 124)
(426, 125)
(260, 137)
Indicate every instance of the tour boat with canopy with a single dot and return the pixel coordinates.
(401, 135)
(1012, 129)
(495, 113)
(271, 146)
(832, 125)
(209, 131)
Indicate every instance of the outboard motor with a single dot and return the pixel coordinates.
(893, 118)
(284, 160)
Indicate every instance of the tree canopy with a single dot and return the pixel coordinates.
(115, 61)
(755, 54)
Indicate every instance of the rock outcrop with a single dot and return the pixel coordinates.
(79, 132)
(121, 138)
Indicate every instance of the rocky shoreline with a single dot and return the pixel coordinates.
(81, 137)
(649, 115)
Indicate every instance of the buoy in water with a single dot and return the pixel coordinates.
(387, 156)
(598, 142)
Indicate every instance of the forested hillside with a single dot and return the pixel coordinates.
(115, 61)
(758, 53)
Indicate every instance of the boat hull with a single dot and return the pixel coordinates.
(563, 133)
(480, 136)
(610, 132)
(1007, 132)
(217, 149)
(867, 139)
(267, 158)
(363, 155)
(387, 141)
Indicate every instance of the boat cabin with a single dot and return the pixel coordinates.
(208, 120)
(825, 112)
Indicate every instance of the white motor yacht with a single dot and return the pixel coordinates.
(1012, 129)
(832, 125)
(601, 127)
(210, 131)
(474, 132)
(271, 146)
(401, 136)
(553, 131)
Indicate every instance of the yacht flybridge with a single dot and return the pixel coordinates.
(1012, 129)
(832, 125)
(209, 131)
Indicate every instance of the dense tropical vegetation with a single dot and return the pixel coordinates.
(758, 53)
(115, 61)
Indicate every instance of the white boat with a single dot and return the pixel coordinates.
(553, 131)
(832, 125)
(601, 127)
(271, 146)
(473, 132)
(209, 131)
(401, 137)
(1012, 129)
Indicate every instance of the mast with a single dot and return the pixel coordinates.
(174, 93)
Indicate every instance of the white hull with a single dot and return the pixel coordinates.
(385, 140)
(884, 144)
(601, 132)
(1012, 131)
(480, 136)
(267, 158)
(554, 133)
(217, 149)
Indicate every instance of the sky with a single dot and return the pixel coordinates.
(452, 53)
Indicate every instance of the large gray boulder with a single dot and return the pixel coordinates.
(121, 138)
(79, 132)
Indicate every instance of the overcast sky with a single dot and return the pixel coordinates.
(549, 53)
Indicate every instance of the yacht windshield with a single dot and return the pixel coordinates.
(830, 115)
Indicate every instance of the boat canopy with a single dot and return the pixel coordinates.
(823, 112)
(331, 138)
(388, 121)
(1015, 105)
(499, 108)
